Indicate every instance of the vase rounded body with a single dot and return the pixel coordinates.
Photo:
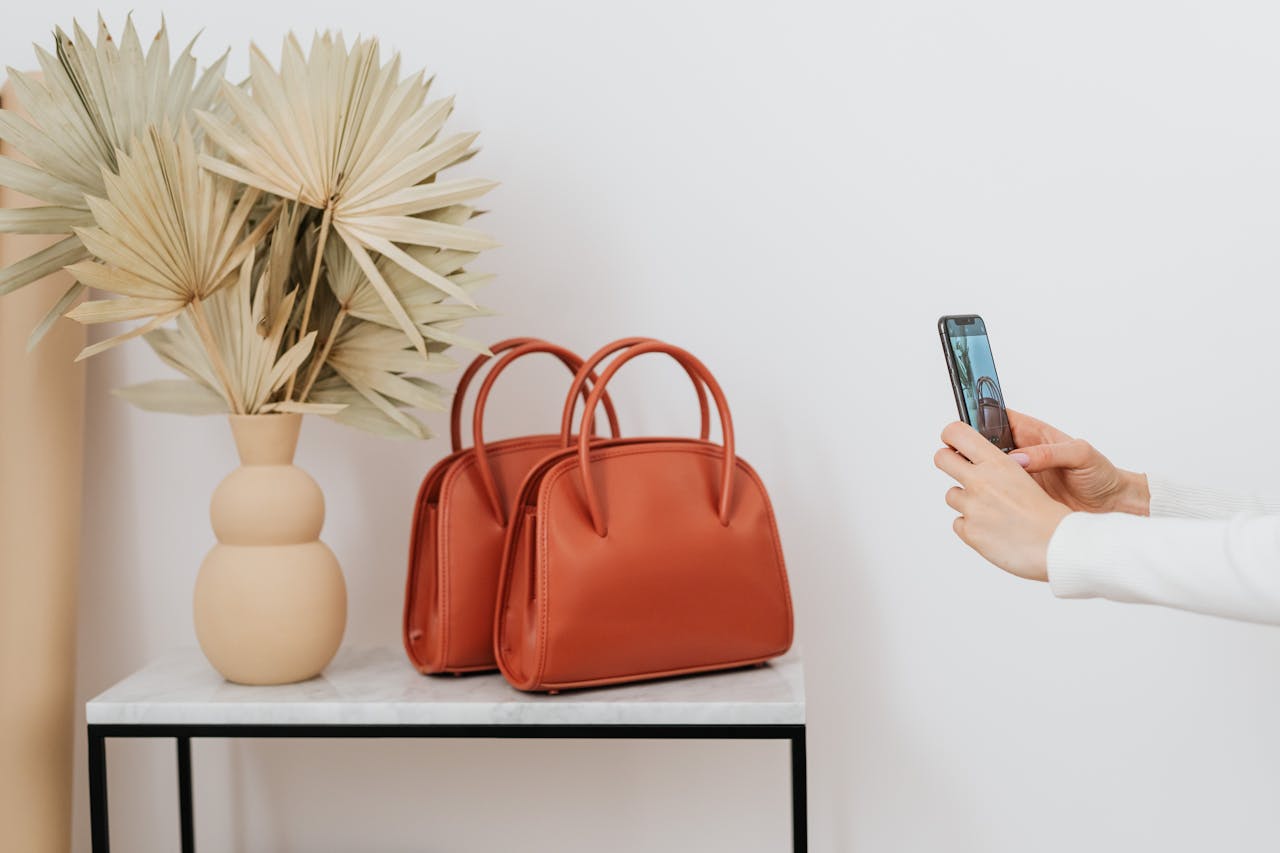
(270, 601)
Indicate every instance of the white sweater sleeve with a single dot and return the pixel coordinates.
(1180, 500)
(1221, 566)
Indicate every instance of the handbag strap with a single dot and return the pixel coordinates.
(464, 382)
(695, 368)
(585, 373)
(987, 380)
(570, 360)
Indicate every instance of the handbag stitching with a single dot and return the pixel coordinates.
(466, 460)
(531, 483)
(415, 535)
(436, 473)
(531, 486)
(441, 660)
(544, 605)
(664, 673)
(451, 478)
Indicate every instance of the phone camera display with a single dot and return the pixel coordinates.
(975, 371)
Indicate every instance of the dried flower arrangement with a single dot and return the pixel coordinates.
(285, 243)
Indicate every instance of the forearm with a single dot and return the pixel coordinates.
(1223, 567)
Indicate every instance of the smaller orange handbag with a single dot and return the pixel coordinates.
(459, 526)
(637, 558)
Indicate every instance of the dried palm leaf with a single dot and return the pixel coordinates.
(424, 305)
(91, 102)
(334, 140)
(371, 367)
(339, 131)
(359, 413)
(280, 264)
(249, 351)
(355, 296)
(176, 396)
(169, 236)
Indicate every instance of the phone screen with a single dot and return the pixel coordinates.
(973, 373)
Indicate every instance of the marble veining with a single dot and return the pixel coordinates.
(378, 686)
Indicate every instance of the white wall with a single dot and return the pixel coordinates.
(796, 192)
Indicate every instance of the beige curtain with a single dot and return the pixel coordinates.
(41, 449)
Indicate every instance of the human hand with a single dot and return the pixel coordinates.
(1072, 472)
(1004, 515)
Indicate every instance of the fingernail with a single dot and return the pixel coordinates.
(1021, 458)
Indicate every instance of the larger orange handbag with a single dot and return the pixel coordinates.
(459, 525)
(637, 558)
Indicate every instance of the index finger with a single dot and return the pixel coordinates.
(968, 441)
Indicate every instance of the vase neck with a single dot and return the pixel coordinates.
(266, 439)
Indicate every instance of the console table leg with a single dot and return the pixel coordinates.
(99, 834)
(185, 815)
(799, 794)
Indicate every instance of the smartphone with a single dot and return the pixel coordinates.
(973, 377)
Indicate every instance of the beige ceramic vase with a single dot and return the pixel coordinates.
(270, 602)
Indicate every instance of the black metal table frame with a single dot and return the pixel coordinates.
(98, 734)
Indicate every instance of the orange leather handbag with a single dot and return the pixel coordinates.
(459, 525)
(991, 417)
(637, 558)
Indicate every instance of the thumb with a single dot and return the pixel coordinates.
(1046, 457)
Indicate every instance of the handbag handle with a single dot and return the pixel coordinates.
(464, 382)
(987, 380)
(695, 368)
(586, 373)
(570, 360)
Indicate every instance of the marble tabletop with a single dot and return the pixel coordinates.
(378, 686)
